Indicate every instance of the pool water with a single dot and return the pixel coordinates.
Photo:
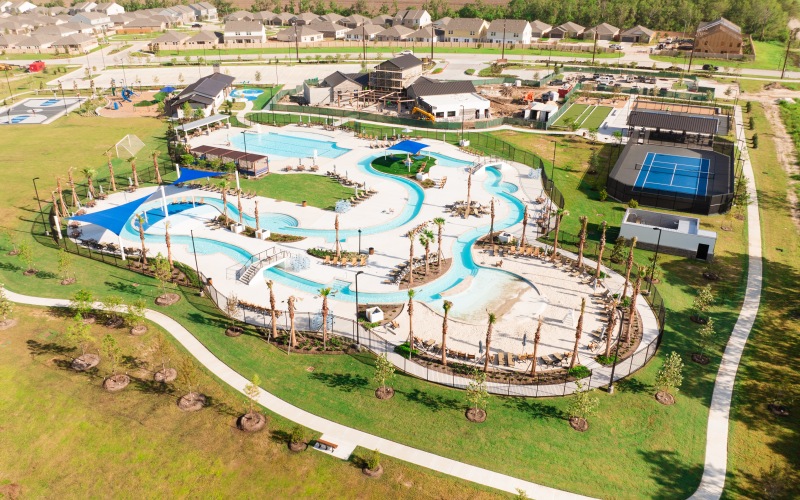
(249, 94)
(277, 145)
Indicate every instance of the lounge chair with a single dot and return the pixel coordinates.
(327, 259)
(363, 261)
(335, 261)
(353, 261)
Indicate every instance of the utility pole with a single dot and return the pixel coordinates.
(503, 49)
(296, 42)
(792, 35)
(594, 48)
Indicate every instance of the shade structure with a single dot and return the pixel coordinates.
(411, 147)
(113, 219)
(168, 89)
(188, 175)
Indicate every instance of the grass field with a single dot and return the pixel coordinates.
(769, 55)
(318, 190)
(138, 440)
(596, 117)
(570, 115)
(758, 439)
(21, 82)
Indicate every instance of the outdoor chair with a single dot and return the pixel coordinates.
(353, 261)
(470, 357)
(327, 259)
(335, 261)
(363, 261)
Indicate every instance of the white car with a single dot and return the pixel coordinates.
(407, 53)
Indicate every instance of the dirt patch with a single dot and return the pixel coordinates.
(116, 383)
(138, 331)
(12, 491)
(384, 392)
(781, 411)
(9, 323)
(433, 273)
(115, 322)
(297, 447)
(167, 299)
(68, 281)
(665, 398)
(192, 401)
(166, 375)
(579, 424)
(700, 359)
(234, 331)
(85, 362)
(787, 155)
(376, 473)
(30, 272)
(252, 422)
(476, 415)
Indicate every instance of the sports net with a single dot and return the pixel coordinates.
(674, 171)
(128, 146)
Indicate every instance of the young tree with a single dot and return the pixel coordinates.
(111, 178)
(637, 285)
(168, 242)
(411, 294)
(618, 250)
(78, 334)
(446, 305)
(468, 205)
(112, 351)
(439, 221)
(491, 225)
(252, 390)
(410, 235)
(489, 329)
(155, 168)
(582, 241)
(425, 239)
(669, 377)
(325, 293)
(336, 237)
(75, 201)
(134, 172)
(272, 312)
(705, 336)
(629, 266)
(610, 326)
(239, 207)
(702, 301)
(290, 306)
(578, 333)
(560, 214)
(477, 396)
(258, 76)
(600, 251)
(81, 302)
(140, 219)
(111, 307)
(90, 174)
(384, 371)
(26, 256)
(6, 306)
(581, 407)
(135, 316)
(232, 309)
(65, 266)
(524, 227)
(537, 337)
(223, 186)
(162, 272)
(592, 134)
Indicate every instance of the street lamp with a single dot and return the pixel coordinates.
(88, 64)
(358, 335)
(655, 259)
(296, 42)
(462, 123)
(196, 266)
(616, 351)
(359, 241)
(39, 201)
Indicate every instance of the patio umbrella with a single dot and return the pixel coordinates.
(168, 89)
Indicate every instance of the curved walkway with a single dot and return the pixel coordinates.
(716, 461)
(346, 434)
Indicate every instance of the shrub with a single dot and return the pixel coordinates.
(755, 141)
(297, 434)
(606, 360)
(579, 372)
(437, 71)
(603, 194)
(752, 122)
(633, 203)
(748, 107)
(428, 183)
(403, 350)
(373, 459)
(470, 71)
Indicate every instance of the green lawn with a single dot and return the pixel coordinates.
(262, 99)
(769, 55)
(396, 165)
(318, 190)
(573, 113)
(759, 440)
(596, 117)
(20, 81)
(138, 440)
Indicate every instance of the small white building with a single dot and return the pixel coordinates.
(678, 234)
(449, 107)
(375, 314)
(540, 111)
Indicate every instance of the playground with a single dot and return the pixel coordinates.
(38, 110)
(128, 104)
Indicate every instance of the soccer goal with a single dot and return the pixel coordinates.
(128, 146)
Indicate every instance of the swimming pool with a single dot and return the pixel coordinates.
(249, 94)
(277, 145)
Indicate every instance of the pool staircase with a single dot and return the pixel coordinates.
(268, 258)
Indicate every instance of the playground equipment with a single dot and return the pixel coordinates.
(423, 113)
(126, 94)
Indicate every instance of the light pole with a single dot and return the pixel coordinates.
(462, 124)
(655, 259)
(296, 42)
(616, 351)
(433, 35)
(105, 39)
(39, 201)
(196, 266)
(503, 48)
(63, 98)
(358, 334)
(359, 241)
(88, 64)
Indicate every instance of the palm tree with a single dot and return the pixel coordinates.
(582, 241)
(56, 226)
(628, 266)
(290, 307)
(132, 161)
(141, 238)
(89, 173)
(324, 292)
(258, 224)
(524, 227)
(446, 305)
(75, 202)
(168, 241)
(612, 323)
(439, 221)
(411, 294)
(155, 167)
(632, 310)
(425, 239)
(336, 228)
(600, 252)
(469, 189)
(560, 213)
(537, 337)
(491, 226)
(111, 172)
(578, 332)
(272, 313)
(239, 205)
(61, 196)
(410, 237)
(223, 186)
(489, 330)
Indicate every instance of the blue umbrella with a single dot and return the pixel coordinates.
(168, 89)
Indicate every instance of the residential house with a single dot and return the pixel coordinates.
(12, 26)
(332, 17)
(393, 34)
(76, 44)
(5, 5)
(183, 14)
(97, 20)
(283, 19)
(604, 31)
(170, 40)
(305, 34)
(11, 41)
(82, 7)
(466, 29)
(424, 35)
(244, 32)
(143, 25)
(240, 15)
(441, 23)
(566, 30)
(365, 31)
(59, 31)
(119, 20)
(540, 29)
(637, 34)
(509, 31)
(330, 29)
(382, 20)
(395, 74)
(205, 38)
(305, 18)
(206, 94)
(266, 18)
(355, 20)
(204, 11)
(718, 37)
(36, 43)
(110, 8)
(412, 18)
(21, 7)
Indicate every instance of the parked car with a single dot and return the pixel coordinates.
(197, 25)
(710, 67)
(407, 53)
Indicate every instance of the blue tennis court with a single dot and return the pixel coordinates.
(678, 174)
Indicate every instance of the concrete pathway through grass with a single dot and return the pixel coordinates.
(716, 461)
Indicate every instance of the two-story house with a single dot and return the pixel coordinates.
(204, 11)
(304, 34)
(244, 32)
(110, 8)
(412, 18)
(466, 29)
(509, 31)
(718, 37)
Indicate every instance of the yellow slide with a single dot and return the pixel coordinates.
(423, 113)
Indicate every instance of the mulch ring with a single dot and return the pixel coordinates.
(665, 398)
(700, 358)
(6, 324)
(579, 424)
(85, 362)
(89, 319)
(378, 472)
(384, 392)
(167, 299)
(476, 415)
(251, 422)
(234, 331)
(13, 252)
(166, 375)
(68, 281)
(779, 410)
(297, 447)
(116, 382)
(698, 319)
(192, 401)
(30, 272)
(711, 276)
(115, 322)
(137, 331)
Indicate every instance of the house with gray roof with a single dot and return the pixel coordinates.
(305, 34)
(331, 30)
(393, 34)
(540, 29)
(204, 11)
(509, 31)
(382, 20)
(305, 18)
(355, 20)
(412, 18)
(637, 34)
(207, 94)
(604, 31)
(465, 29)
(244, 32)
(365, 31)
(567, 30)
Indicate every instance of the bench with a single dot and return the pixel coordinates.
(325, 445)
